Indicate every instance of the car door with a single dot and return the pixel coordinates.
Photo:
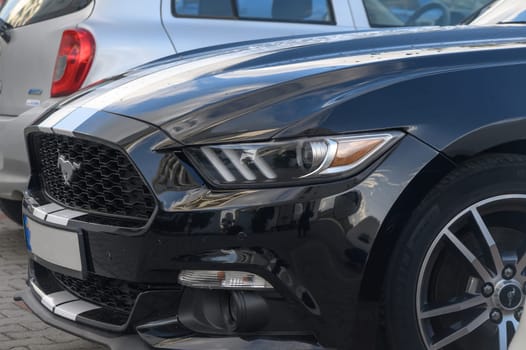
(194, 24)
(29, 46)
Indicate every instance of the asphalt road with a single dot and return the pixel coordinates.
(19, 329)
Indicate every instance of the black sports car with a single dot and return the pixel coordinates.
(315, 191)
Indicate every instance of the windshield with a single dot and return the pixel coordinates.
(22, 12)
(501, 11)
(398, 13)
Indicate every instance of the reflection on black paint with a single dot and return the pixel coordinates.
(262, 217)
(172, 175)
(304, 221)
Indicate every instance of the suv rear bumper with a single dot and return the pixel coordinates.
(14, 164)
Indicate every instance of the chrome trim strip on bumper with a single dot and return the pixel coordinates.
(63, 303)
(52, 300)
(36, 289)
(43, 211)
(73, 309)
(55, 214)
(62, 217)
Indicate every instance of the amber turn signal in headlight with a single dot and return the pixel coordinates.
(290, 162)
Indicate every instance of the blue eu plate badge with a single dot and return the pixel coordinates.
(27, 234)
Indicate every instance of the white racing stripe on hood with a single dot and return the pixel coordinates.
(72, 121)
(66, 120)
(56, 117)
(161, 79)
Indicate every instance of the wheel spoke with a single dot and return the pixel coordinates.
(454, 307)
(515, 324)
(462, 332)
(473, 260)
(503, 336)
(494, 250)
(521, 265)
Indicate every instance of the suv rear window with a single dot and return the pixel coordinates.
(22, 12)
(303, 11)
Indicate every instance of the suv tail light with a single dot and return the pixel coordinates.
(75, 55)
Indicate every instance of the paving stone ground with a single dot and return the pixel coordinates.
(19, 329)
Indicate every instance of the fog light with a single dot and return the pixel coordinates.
(248, 311)
(239, 280)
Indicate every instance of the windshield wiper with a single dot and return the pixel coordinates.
(5, 30)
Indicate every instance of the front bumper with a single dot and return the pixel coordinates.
(316, 269)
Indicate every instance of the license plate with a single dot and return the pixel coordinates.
(58, 247)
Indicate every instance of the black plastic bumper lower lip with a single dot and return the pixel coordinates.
(133, 341)
(112, 340)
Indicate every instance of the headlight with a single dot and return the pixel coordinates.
(289, 162)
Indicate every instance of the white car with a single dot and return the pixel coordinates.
(52, 48)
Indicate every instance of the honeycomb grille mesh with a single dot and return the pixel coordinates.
(106, 292)
(104, 180)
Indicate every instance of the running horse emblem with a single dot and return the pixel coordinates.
(67, 168)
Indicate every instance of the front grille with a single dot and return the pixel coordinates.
(103, 181)
(105, 292)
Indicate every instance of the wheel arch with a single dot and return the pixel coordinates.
(500, 138)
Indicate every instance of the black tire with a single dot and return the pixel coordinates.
(12, 209)
(426, 261)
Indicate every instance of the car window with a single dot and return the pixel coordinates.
(22, 12)
(308, 11)
(396, 13)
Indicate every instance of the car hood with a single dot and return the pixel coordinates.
(282, 88)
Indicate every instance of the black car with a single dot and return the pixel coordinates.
(315, 191)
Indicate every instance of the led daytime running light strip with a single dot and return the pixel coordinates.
(334, 154)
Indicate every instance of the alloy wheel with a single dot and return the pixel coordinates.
(471, 287)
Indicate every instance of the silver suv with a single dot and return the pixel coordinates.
(52, 48)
